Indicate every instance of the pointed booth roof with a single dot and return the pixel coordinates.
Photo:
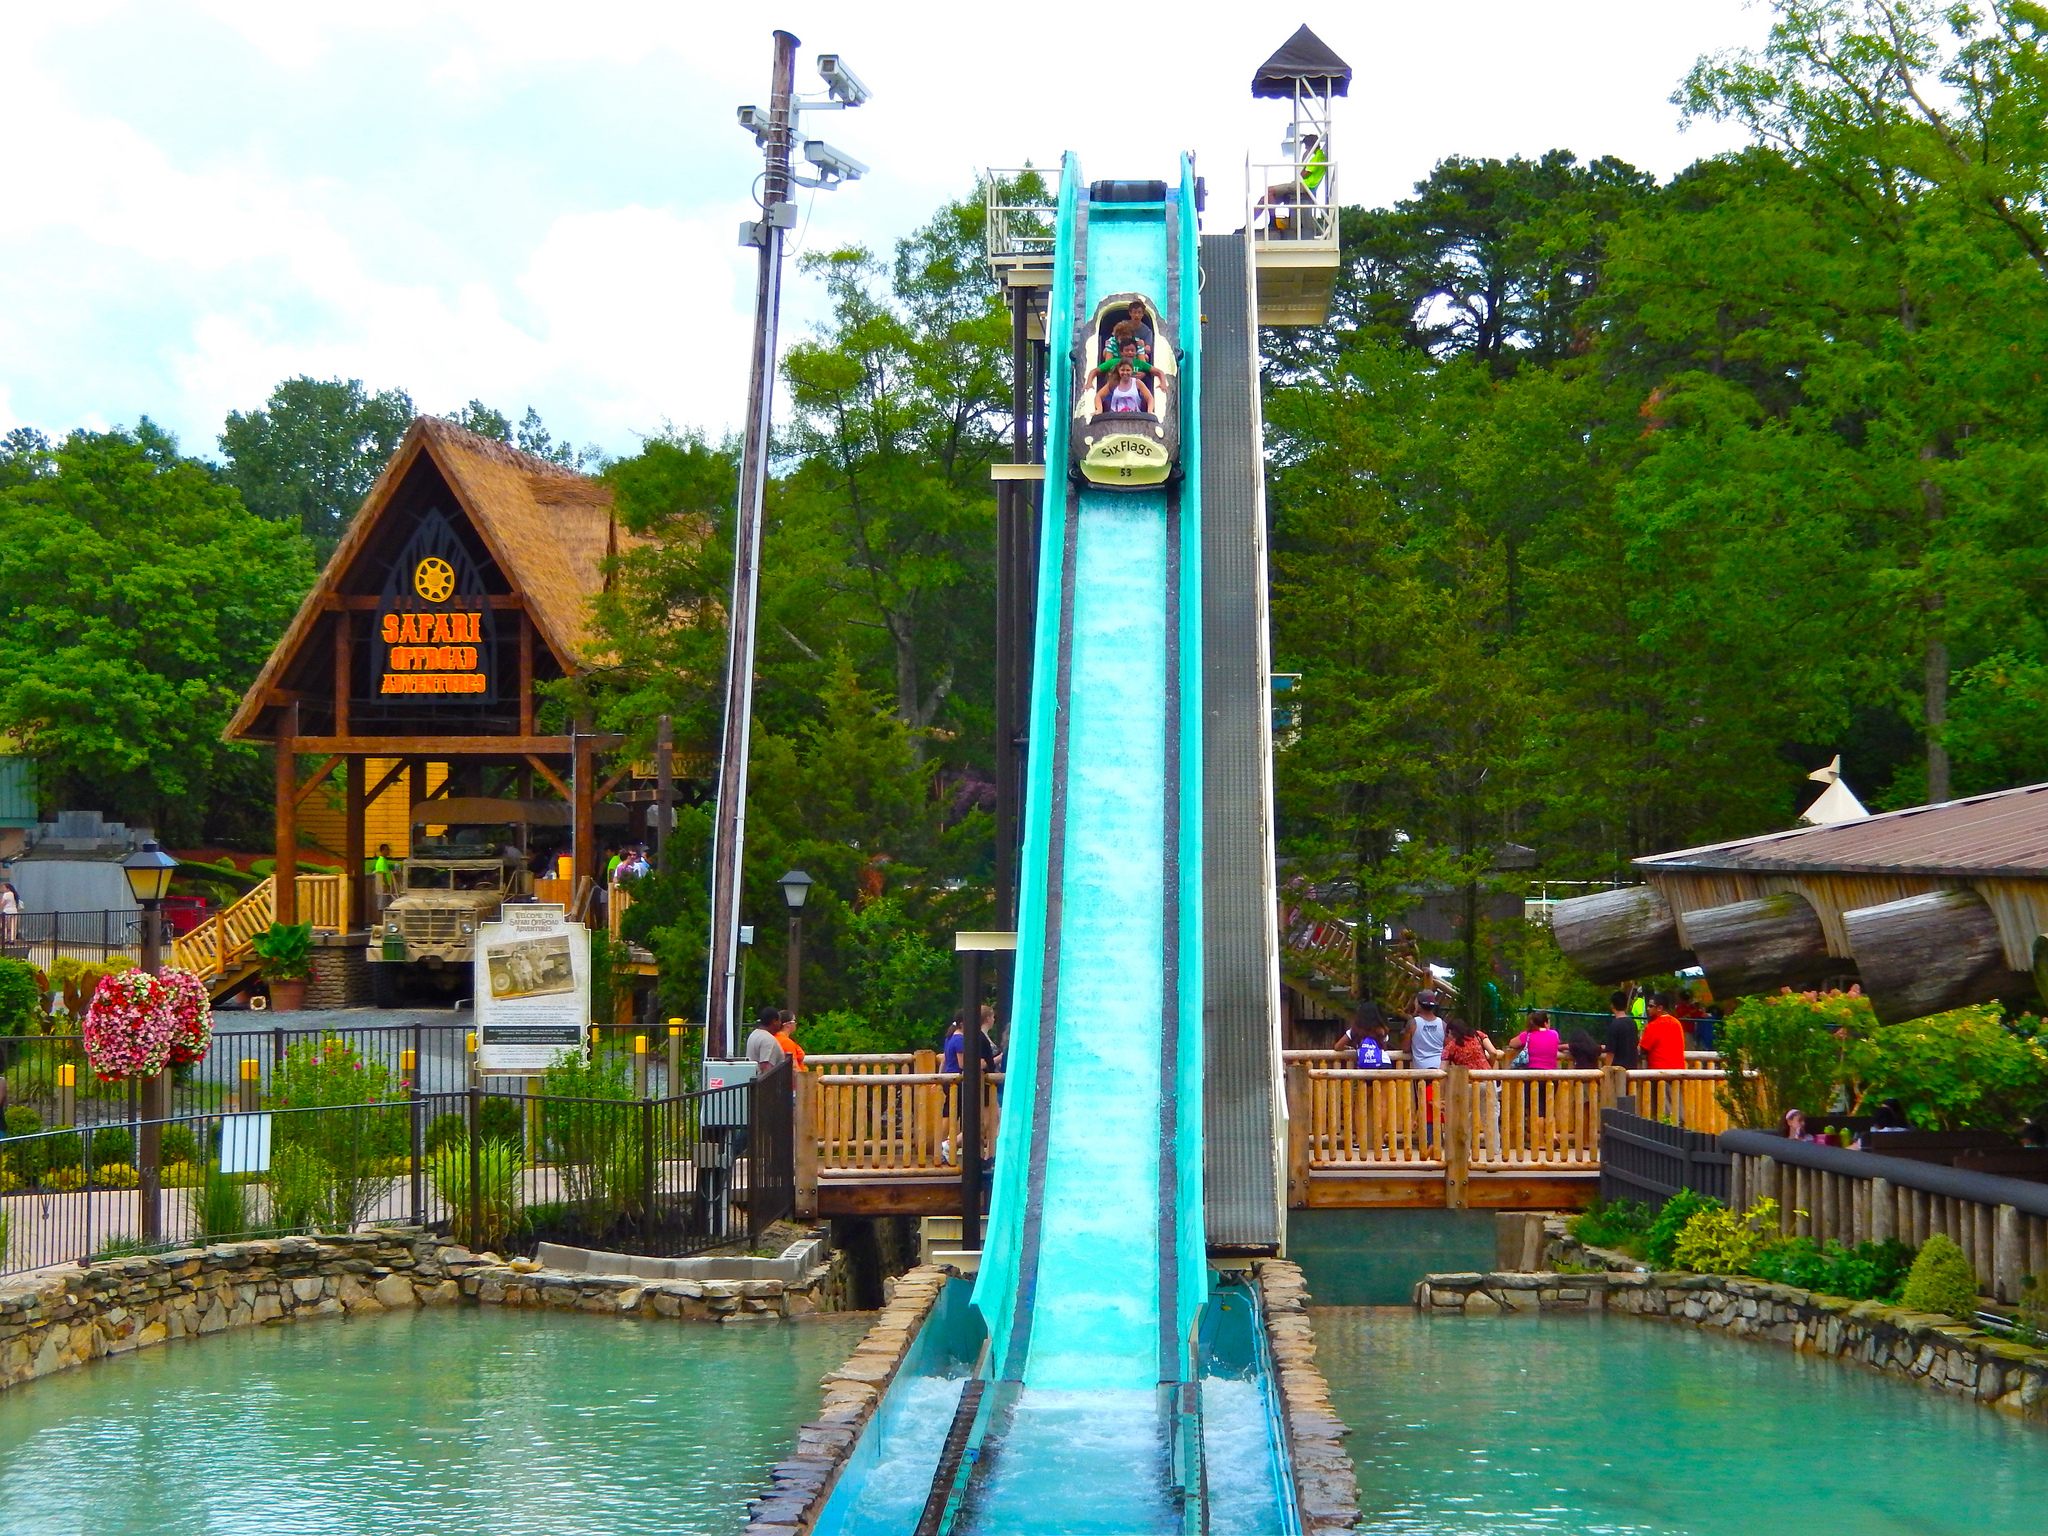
(1303, 56)
(547, 529)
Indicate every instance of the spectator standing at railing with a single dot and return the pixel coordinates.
(1426, 1035)
(1540, 1041)
(785, 1036)
(1622, 1046)
(1468, 1046)
(1585, 1051)
(1663, 1042)
(763, 1049)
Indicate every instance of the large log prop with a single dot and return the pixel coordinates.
(1619, 935)
(1929, 953)
(1761, 945)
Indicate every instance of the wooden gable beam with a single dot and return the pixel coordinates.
(560, 785)
(319, 777)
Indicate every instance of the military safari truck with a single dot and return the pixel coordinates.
(454, 881)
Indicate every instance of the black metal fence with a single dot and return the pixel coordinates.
(1651, 1161)
(242, 1069)
(504, 1170)
(43, 938)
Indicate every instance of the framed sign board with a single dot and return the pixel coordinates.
(532, 989)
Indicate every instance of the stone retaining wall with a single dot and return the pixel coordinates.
(799, 1485)
(1936, 1351)
(1326, 1487)
(58, 1318)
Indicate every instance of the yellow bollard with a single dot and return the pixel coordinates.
(67, 1093)
(252, 1085)
(640, 1065)
(675, 1057)
(474, 1076)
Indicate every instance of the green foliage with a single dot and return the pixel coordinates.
(21, 999)
(1941, 1280)
(500, 1170)
(591, 1131)
(1623, 1226)
(120, 1248)
(141, 597)
(111, 1144)
(332, 1154)
(1957, 1070)
(1863, 1272)
(443, 1130)
(286, 950)
(1660, 1243)
(28, 1151)
(179, 1145)
(501, 1120)
(1786, 1052)
(76, 980)
(221, 1206)
(1717, 1241)
(309, 456)
(22, 1120)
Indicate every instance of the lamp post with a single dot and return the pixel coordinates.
(149, 871)
(796, 890)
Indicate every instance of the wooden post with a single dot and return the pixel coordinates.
(806, 1143)
(356, 805)
(285, 883)
(2008, 1255)
(344, 635)
(1299, 1134)
(525, 674)
(1456, 1131)
(1883, 1211)
(588, 865)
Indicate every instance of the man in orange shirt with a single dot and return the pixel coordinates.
(1663, 1044)
(785, 1036)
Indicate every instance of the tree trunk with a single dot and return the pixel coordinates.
(1761, 945)
(1930, 953)
(1619, 935)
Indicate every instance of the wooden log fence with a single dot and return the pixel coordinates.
(2000, 1223)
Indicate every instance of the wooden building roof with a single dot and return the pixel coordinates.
(547, 530)
(2003, 834)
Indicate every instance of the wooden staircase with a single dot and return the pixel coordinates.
(220, 951)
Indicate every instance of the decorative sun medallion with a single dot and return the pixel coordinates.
(434, 579)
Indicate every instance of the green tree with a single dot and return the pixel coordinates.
(141, 597)
(311, 453)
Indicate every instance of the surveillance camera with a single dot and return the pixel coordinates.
(757, 122)
(833, 164)
(842, 82)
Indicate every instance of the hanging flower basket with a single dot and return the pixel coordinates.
(191, 1013)
(138, 1024)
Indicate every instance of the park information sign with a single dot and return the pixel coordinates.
(532, 989)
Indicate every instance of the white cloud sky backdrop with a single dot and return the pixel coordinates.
(528, 203)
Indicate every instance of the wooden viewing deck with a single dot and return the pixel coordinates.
(879, 1135)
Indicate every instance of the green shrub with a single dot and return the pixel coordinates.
(1941, 1280)
(594, 1141)
(1955, 1071)
(121, 1248)
(1782, 1052)
(502, 1120)
(22, 1120)
(1623, 1226)
(500, 1174)
(180, 1145)
(221, 1206)
(1661, 1241)
(1717, 1241)
(299, 1180)
(286, 950)
(1865, 1272)
(64, 1149)
(111, 1144)
(442, 1130)
(21, 999)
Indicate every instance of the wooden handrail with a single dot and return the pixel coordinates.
(890, 1124)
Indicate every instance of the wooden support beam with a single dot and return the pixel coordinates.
(354, 910)
(344, 633)
(390, 777)
(359, 602)
(286, 880)
(525, 674)
(1761, 945)
(617, 777)
(451, 746)
(1930, 953)
(584, 814)
(561, 786)
(318, 777)
(1619, 935)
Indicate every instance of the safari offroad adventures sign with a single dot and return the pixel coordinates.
(434, 629)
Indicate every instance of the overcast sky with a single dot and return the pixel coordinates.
(536, 203)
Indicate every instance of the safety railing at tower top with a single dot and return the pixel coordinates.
(1293, 201)
(1023, 216)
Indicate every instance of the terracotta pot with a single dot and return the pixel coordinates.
(288, 996)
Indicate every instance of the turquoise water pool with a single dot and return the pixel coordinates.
(1620, 1427)
(475, 1420)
